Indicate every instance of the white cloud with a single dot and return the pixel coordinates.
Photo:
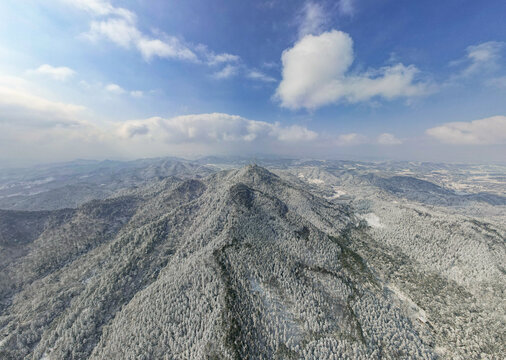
(23, 145)
(354, 139)
(221, 58)
(388, 139)
(119, 31)
(227, 72)
(101, 8)
(346, 7)
(270, 64)
(350, 139)
(312, 19)
(315, 73)
(125, 34)
(170, 47)
(486, 131)
(188, 135)
(480, 58)
(36, 128)
(258, 75)
(484, 52)
(213, 128)
(137, 93)
(118, 90)
(217, 59)
(119, 26)
(115, 89)
(19, 105)
(230, 71)
(61, 73)
(294, 133)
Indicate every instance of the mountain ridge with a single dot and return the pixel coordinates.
(242, 263)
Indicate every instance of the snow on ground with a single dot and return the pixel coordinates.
(414, 311)
(3, 341)
(405, 172)
(337, 193)
(316, 181)
(372, 220)
(278, 310)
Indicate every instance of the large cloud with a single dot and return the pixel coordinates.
(486, 131)
(49, 130)
(20, 105)
(316, 73)
(213, 128)
(70, 137)
(34, 127)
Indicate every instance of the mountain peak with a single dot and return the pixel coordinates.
(256, 174)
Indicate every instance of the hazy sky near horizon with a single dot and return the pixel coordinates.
(405, 80)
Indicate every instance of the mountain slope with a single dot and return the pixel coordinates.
(70, 185)
(427, 192)
(240, 264)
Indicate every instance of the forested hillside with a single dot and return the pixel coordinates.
(244, 263)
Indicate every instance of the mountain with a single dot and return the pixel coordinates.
(424, 191)
(239, 264)
(69, 185)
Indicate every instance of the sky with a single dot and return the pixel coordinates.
(347, 79)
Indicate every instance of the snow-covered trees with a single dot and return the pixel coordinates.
(248, 264)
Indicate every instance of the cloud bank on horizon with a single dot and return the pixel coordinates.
(310, 79)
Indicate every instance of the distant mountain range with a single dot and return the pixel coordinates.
(423, 191)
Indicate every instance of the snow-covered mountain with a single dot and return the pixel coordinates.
(248, 263)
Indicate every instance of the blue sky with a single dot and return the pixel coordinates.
(351, 78)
